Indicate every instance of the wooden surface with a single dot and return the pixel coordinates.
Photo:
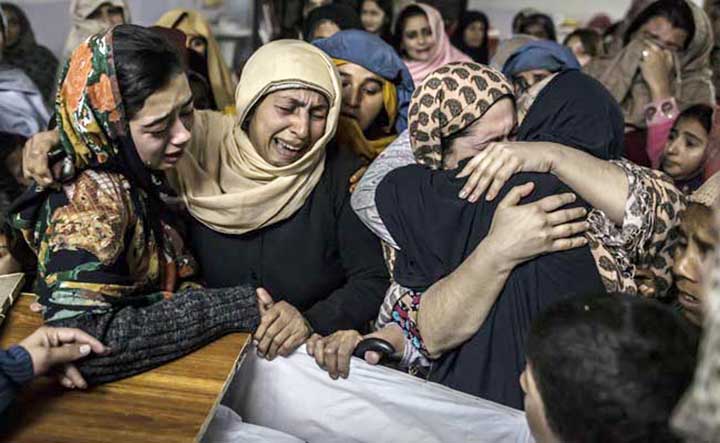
(172, 403)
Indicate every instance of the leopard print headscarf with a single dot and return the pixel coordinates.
(448, 101)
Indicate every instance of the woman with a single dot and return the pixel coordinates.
(536, 62)
(90, 17)
(686, 154)
(201, 40)
(23, 52)
(538, 25)
(376, 91)
(471, 37)
(586, 44)
(421, 41)
(664, 66)
(325, 21)
(110, 259)
(268, 195)
(377, 18)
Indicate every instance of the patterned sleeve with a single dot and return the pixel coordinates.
(647, 236)
(88, 248)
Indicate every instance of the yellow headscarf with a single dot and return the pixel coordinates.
(223, 180)
(192, 23)
(349, 133)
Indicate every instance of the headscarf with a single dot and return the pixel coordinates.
(481, 54)
(83, 27)
(577, 111)
(343, 16)
(697, 416)
(708, 194)
(35, 60)
(692, 84)
(443, 51)
(192, 23)
(449, 100)
(372, 53)
(540, 54)
(507, 48)
(224, 182)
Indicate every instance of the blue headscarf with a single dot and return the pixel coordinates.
(540, 54)
(372, 53)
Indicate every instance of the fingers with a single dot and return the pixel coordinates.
(569, 230)
(311, 343)
(291, 344)
(344, 355)
(331, 360)
(35, 162)
(320, 353)
(67, 353)
(562, 216)
(266, 321)
(510, 167)
(71, 335)
(355, 178)
(478, 164)
(277, 341)
(516, 194)
(74, 377)
(264, 341)
(473, 164)
(264, 300)
(564, 244)
(553, 202)
(372, 357)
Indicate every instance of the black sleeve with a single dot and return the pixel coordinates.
(16, 369)
(142, 338)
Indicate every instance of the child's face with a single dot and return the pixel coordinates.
(685, 150)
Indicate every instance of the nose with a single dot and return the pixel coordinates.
(351, 98)
(301, 125)
(673, 147)
(686, 265)
(180, 135)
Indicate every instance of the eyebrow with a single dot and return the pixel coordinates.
(692, 136)
(164, 117)
(298, 103)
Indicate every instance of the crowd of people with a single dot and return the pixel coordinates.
(529, 221)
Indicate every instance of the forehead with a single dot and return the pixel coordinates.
(691, 125)
(306, 96)
(163, 101)
(416, 22)
(357, 72)
(499, 119)
(661, 27)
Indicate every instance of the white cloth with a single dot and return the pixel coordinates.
(228, 427)
(375, 404)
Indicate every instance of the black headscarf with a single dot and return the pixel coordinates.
(576, 110)
(436, 231)
(342, 15)
(481, 54)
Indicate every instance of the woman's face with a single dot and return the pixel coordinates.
(13, 27)
(535, 408)
(661, 31)
(577, 47)
(362, 94)
(325, 29)
(161, 129)
(537, 30)
(697, 239)
(417, 39)
(685, 150)
(197, 43)
(111, 15)
(495, 125)
(525, 80)
(474, 35)
(286, 124)
(372, 16)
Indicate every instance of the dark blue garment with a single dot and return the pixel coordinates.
(540, 54)
(372, 53)
(15, 370)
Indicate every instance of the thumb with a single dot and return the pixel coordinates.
(264, 299)
(516, 194)
(372, 357)
(67, 353)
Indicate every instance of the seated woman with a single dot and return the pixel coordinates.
(376, 91)
(586, 44)
(268, 193)
(110, 258)
(90, 17)
(377, 18)
(687, 153)
(421, 40)
(451, 267)
(538, 25)
(664, 66)
(326, 20)
(471, 36)
(211, 64)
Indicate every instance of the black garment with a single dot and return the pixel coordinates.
(481, 54)
(322, 260)
(576, 110)
(16, 369)
(436, 231)
(342, 15)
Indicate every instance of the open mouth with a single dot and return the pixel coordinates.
(348, 114)
(174, 157)
(288, 150)
(688, 300)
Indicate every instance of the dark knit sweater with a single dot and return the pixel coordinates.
(15, 370)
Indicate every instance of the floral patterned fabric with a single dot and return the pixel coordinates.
(99, 242)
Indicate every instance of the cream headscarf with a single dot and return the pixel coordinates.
(224, 182)
(83, 27)
(193, 23)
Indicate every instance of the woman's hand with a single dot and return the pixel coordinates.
(656, 67)
(56, 348)
(355, 178)
(35, 157)
(521, 232)
(282, 327)
(493, 166)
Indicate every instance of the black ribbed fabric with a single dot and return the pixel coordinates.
(15, 370)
